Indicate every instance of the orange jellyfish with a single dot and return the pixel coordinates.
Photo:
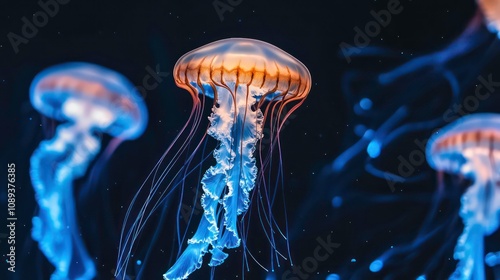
(470, 146)
(250, 82)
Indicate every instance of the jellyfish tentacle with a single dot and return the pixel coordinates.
(237, 73)
(479, 220)
(243, 174)
(55, 227)
(214, 182)
(468, 252)
(237, 128)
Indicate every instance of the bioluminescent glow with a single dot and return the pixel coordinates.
(89, 99)
(470, 146)
(373, 148)
(333, 277)
(365, 103)
(271, 277)
(250, 82)
(337, 201)
(492, 259)
(376, 266)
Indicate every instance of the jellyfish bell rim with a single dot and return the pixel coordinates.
(475, 122)
(265, 47)
(489, 11)
(129, 122)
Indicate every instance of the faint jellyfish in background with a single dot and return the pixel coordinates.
(395, 95)
(88, 99)
(387, 104)
(382, 113)
(250, 82)
(470, 146)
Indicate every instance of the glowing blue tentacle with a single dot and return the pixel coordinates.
(213, 183)
(241, 177)
(469, 248)
(469, 253)
(235, 169)
(54, 166)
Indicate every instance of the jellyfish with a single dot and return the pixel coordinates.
(466, 147)
(381, 115)
(379, 123)
(396, 98)
(470, 147)
(88, 99)
(250, 82)
(387, 103)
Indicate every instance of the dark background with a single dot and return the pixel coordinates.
(129, 36)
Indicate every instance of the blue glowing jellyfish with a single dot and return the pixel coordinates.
(88, 99)
(250, 82)
(470, 146)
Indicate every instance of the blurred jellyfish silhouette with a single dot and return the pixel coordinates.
(387, 104)
(88, 99)
(470, 147)
(382, 114)
(395, 99)
(250, 82)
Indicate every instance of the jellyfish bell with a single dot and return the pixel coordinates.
(471, 146)
(87, 98)
(491, 12)
(91, 95)
(241, 65)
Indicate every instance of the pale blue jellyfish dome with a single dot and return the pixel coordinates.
(90, 95)
(450, 147)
